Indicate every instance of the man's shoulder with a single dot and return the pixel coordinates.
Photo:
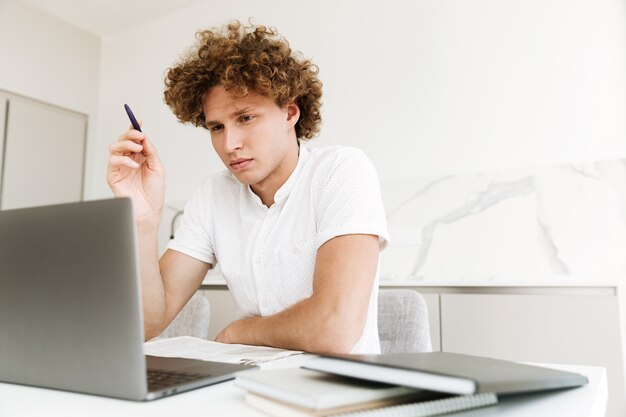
(331, 166)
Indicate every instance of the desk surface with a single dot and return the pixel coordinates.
(227, 400)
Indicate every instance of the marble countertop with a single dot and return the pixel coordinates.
(496, 281)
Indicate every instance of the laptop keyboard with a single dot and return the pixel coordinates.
(158, 378)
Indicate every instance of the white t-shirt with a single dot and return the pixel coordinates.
(267, 255)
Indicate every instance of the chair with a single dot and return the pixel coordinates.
(192, 320)
(403, 322)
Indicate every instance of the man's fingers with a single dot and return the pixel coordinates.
(125, 147)
(148, 148)
(133, 135)
(131, 127)
(119, 161)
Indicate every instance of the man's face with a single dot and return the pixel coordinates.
(254, 138)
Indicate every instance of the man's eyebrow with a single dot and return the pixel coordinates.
(243, 111)
(233, 115)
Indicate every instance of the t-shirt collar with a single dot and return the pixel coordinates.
(283, 192)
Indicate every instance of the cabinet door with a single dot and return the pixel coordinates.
(44, 155)
(568, 329)
(432, 301)
(3, 107)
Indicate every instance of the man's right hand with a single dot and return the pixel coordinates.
(135, 171)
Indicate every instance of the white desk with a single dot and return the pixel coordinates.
(227, 400)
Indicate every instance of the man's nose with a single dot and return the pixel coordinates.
(233, 140)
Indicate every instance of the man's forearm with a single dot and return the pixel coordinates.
(332, 319)
(310, 325)
(153, 292)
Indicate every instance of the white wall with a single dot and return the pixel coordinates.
(46, 59)
(424, 87)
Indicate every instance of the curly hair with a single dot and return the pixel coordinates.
(242, 58)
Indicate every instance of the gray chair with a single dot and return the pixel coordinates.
(193, 319)
(403, 322)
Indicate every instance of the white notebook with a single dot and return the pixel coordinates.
(315, 390)
(381, 408)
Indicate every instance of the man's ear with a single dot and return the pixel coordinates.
(293, 114)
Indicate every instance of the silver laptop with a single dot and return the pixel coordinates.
(70, 306)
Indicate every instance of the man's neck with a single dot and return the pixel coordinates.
(266, 189)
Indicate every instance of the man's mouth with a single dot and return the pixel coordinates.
(240, 163)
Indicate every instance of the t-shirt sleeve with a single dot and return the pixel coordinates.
(194, 236)
(350, 201)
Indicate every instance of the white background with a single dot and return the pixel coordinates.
(424, 87)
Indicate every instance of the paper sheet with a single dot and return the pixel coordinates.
(195, 348)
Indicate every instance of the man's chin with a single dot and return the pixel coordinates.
(244, 178)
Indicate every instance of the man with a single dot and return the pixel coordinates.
(297, 232)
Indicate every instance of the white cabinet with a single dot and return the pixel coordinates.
(3, 113)
(43, 153)
(580, 325)
(434, 319)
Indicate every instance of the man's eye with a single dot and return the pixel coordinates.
(216, 128)
(247, 118)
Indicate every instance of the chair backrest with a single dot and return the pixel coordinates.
(192, 320)
(403, 322)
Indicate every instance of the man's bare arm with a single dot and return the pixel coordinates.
(333, 318)
(135, 171)
(167, 286)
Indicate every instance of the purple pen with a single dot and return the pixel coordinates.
(131, 116)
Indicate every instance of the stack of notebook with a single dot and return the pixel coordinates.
(304, 393)
(415, 384)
